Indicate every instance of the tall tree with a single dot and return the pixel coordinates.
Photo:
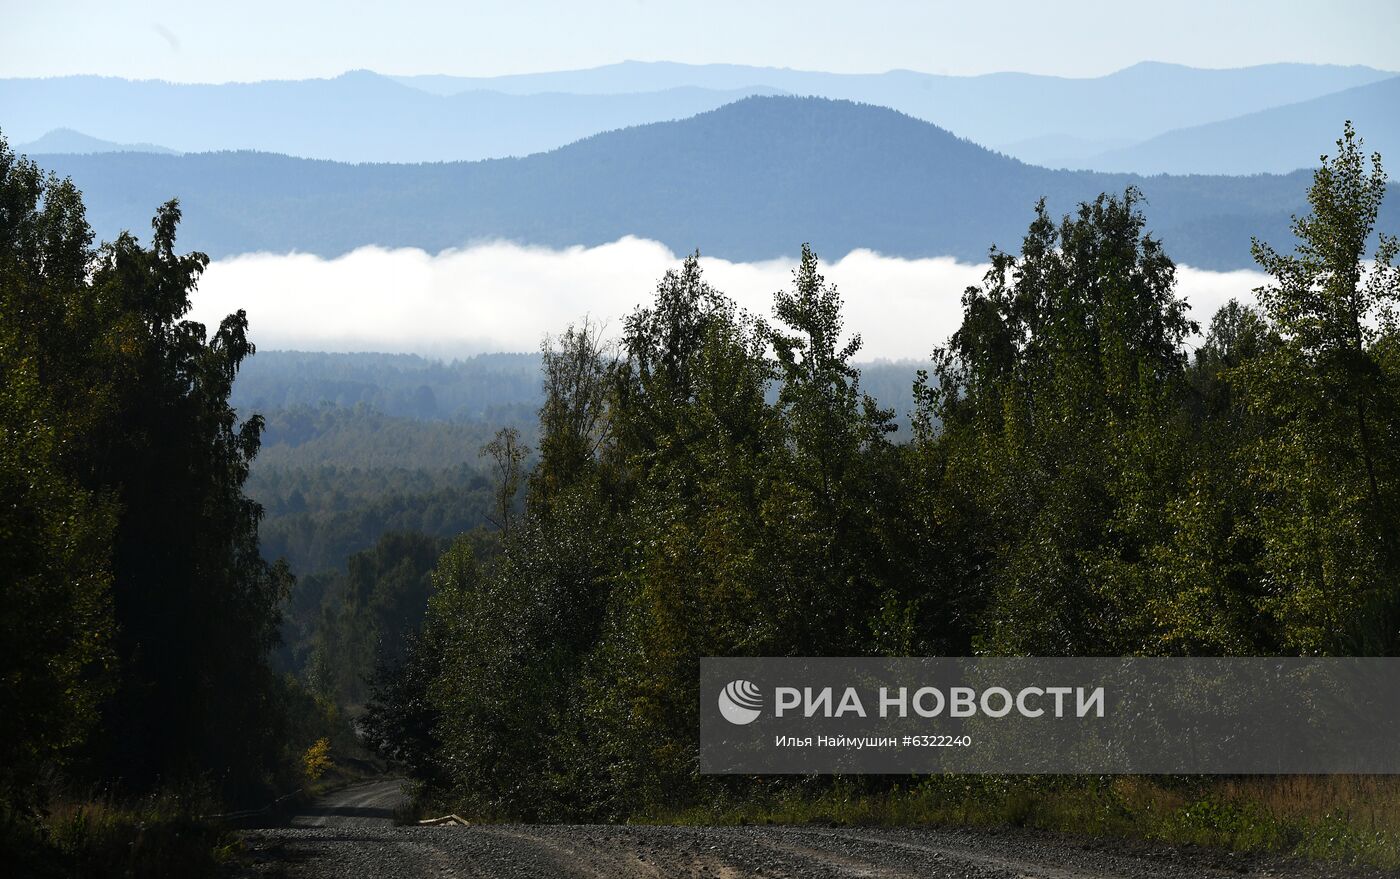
(693, 440)
(196, 606)
(1326, 474)
(1056, 401)
(573, 419)
(837, 500)
(129, 537)
(507, 454)
(55, 527)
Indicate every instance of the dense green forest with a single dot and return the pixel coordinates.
(492, 388)
(139, 612)
(332, 480)
(1078, 482)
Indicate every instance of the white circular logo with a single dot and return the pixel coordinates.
(740, 702)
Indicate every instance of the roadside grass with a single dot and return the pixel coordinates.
(94, 835)
(98, 837)
(418, 805)
(1342, 818)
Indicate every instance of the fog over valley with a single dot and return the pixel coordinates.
(507, 297)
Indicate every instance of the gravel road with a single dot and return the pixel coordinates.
(351, 834)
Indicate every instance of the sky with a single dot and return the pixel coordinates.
(200, 41)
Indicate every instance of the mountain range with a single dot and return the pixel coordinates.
(1275, 140)
(748, 181)
(1094, 123)
(356, 117)
(66, 140)
(1005, 111)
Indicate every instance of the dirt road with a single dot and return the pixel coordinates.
(351, 834)
(370, 804)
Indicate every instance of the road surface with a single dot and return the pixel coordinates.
(351, 833)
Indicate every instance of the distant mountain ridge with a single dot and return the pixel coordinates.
(1276, 140)
(66, 140)
(364, 116)
(356, 117)
(995, 109)
(748, 181)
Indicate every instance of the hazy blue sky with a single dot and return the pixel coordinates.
(198, 41)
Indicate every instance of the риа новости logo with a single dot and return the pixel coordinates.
(740, 702)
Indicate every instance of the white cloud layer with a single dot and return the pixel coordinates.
(506, 297)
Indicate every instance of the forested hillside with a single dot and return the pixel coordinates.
(490, 387)
(331, 481)
(741, 182)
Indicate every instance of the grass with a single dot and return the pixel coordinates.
(98, 837)
(1344, 819)
(180, 831)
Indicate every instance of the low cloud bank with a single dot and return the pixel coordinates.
(506, 297)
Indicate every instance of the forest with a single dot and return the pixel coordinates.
(1085, 469)
(139, 614)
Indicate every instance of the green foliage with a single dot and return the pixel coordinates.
(155, 836)
(1059, 402)
(835, 511)
(368, 612)
(692, 436)
(538, 617)
(55, 527)
(196, 606)
(1325, 470)
(400, 722)
(136, 597)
